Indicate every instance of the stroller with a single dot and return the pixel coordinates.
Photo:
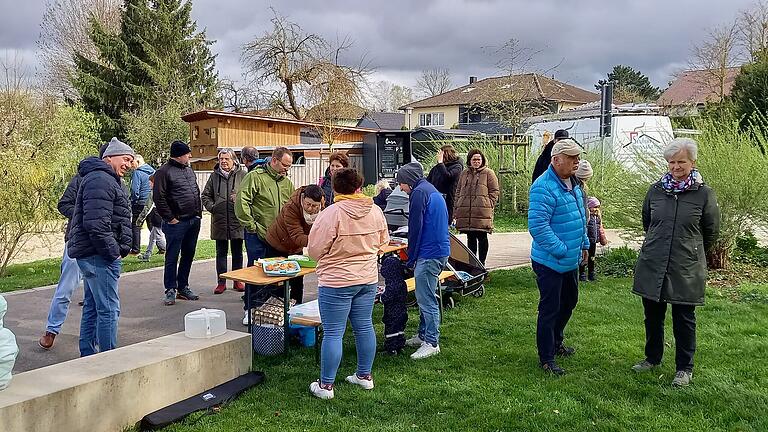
(470, 274)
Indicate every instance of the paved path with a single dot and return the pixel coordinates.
(143, 315)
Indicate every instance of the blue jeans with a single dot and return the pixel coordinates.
(426, 273)
(101, 305)
(336, 306)
(69, 280)
(181, 239)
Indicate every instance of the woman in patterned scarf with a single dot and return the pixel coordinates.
(681, 220)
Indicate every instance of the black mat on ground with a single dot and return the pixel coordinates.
(208, 399)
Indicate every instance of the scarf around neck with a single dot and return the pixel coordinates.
(671, 185)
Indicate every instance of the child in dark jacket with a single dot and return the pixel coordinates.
(394, 300)
(594, 228)
(154, 223)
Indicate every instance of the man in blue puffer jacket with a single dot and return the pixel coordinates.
(557, 223)
(99, 237)
(428, 250)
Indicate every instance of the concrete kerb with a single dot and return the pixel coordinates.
(137, 272)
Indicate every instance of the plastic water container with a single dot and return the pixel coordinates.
(205, 323)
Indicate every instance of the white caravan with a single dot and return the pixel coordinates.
(638, 132)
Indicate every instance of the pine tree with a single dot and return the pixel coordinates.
(630, 85)
(157, 56)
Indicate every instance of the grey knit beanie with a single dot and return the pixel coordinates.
(115, 147)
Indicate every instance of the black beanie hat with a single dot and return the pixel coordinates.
(179, 148)
(561, 134)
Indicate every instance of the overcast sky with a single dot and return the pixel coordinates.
(402, 37)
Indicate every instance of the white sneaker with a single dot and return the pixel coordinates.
(415, 341)
(364, 383)
(245, 319)
(425, 350)
(320, 392)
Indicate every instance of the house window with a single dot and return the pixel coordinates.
(432, 119)
(470, 114)
(298, 158)
(213, 133)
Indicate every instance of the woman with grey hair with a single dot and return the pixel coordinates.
(681, 220)
(218, 198)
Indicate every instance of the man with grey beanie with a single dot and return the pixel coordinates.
(428, 250)
(99, 238)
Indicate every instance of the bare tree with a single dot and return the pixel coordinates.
(753, 29)
(380, 96)
(399, 96)
(64, 32)
(719, 51)
(240, 96)
(433, 82)
(514, 95)
(310, 73)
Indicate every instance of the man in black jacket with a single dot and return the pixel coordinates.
(70, 273)
(545, 158)
(100, 236)
(177, 200)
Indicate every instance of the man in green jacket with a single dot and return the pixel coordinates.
(262, 194)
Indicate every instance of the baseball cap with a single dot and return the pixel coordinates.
(566, 146)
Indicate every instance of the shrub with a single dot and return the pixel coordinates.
(618, 262)
(749, 252)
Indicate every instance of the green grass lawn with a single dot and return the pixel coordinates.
(510, 222)
(487, 376)
(46, 272)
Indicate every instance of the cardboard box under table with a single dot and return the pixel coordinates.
(255, 276)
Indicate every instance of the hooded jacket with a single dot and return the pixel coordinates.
(67, 201)
(543, 162)
(176, 193)
(289, 233)
(262, 195)
(679, 229)
(445, 177)
(476, 197)
(557, 222)
(101, 222)
(427, 217)
(140, 184)
(218, 198)
(345, 240)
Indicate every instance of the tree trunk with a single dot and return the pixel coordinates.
(719, 257)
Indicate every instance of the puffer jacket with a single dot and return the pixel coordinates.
(140, 184)
(289, 233)
(219, 199)
(67, 201)
(445, 177)
(262, 194)
(345, 240)
(557, 222)
(679, 229)
(176, 193)
(101, 223)
(476, 196)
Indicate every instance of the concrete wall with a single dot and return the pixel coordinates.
(114, 390)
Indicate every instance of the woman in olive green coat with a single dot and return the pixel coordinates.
(681, 220)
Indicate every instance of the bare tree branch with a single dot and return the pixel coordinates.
(433, 82)
(715, 54)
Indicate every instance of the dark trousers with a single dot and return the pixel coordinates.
(181, 240)
(236, 247)
(475, 239)
(589, 266)
(136, 210)
(683, 327)
(559, 293)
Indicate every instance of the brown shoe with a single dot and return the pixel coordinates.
(46, 342)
